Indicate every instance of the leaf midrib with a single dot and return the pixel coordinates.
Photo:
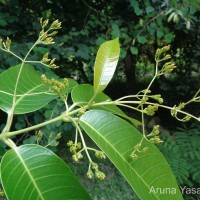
(29, 174)
(106, 58)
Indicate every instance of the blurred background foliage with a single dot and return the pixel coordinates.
(142, 27)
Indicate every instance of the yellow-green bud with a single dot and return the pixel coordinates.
(90, 174)
(58, 136)
(70, 143)
(100, 175)
(137, 146)
(134, 156)
(145, 149)
(94, 165)
(78, 145)
(100, 155)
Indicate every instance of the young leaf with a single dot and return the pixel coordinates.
(105, 64)
(117, 139)
(82, 94)
(34, 172)
(31, 94)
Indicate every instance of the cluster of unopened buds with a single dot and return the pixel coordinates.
(138, 149)
(151, 109)
(98, 174)
(158, 98)
(52, 140)
(56, 86)
(5, 45)
(45, 37)
(50, 62)
(155, 139)
(75, 150)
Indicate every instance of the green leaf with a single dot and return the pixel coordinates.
(117, 139)
(105, 64)
(142, 39)
(34, 172)
(149, 9)
(82, 94)
(115, 30)
(134, 50)
(31, 94)
(169, 37)
(72, 84)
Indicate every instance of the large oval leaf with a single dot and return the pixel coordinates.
(31, 93)
(82, 94)
(34, 172)
(105, 64)
(117, 138)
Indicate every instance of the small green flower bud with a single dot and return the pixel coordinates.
(100, 155)
(100, 175)
(8, 43)
(167, 57)
(137, 146)
(94, 165)
(160, 100)
(165, 49)
(50, 136)
(181, 106)
(70, 143)
(56, 25)
(145, 149)
(134, 156)
(90, 174)
(155, 140)
(39, 134)
(53, 33)
(150, 110)
(78, 145)
(44, 23)
(186, 118)
(75, 157)
(58, 136)
(72, 149)
(155, 130)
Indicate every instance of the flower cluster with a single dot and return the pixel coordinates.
(161, 51)
(56, 86)
(51, 140)
(75, 150)
(158, 98)
(138, 150)
(98, 174)
(50, 62)
(46, 37)
(5, 45)
(162, 56)
(155, 139)
(151, 109)
(167, 68)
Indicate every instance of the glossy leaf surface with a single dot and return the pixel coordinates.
(105, 64)
(34, 172)
(117, 139)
